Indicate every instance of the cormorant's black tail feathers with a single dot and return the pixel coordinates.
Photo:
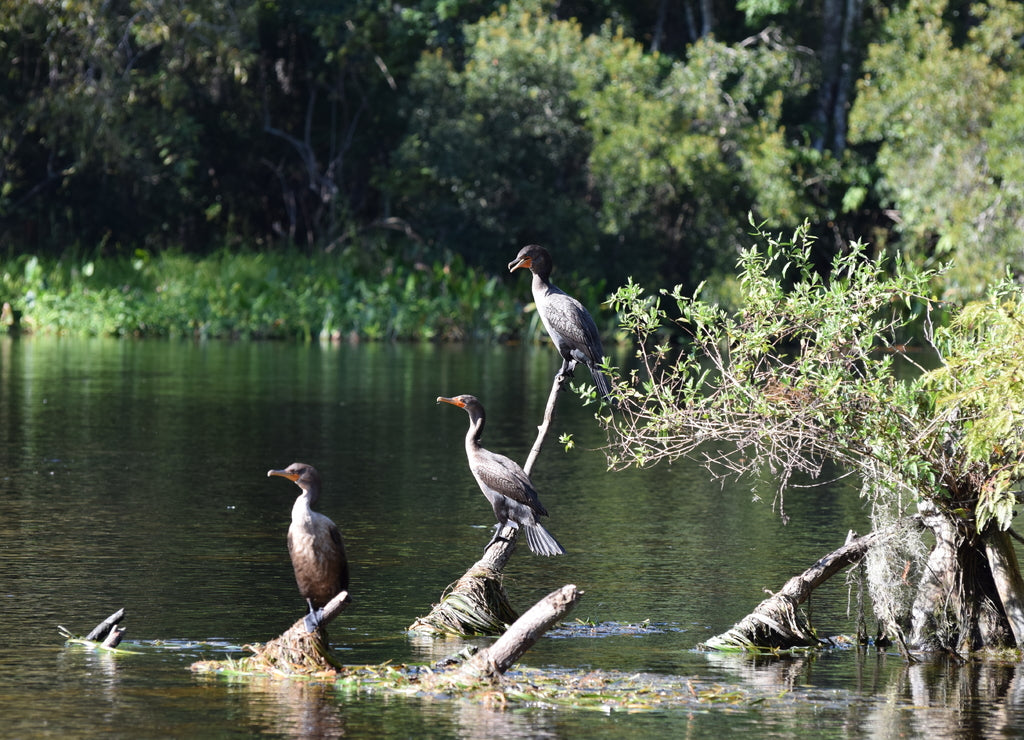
(604, 387)
(541, 542)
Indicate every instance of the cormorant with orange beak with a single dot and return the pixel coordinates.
(505, 484)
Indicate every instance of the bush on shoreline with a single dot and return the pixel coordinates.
(267, 296)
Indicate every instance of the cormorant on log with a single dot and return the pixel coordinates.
(505, 484)
(315, 545)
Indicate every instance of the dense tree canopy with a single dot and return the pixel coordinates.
(632, 137)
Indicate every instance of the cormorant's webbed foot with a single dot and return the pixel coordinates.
(496, 537)
(313, 619)
(565, 373)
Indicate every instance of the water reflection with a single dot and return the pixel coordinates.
(298, 709)
(133, 474)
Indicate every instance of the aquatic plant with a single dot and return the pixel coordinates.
(363, 293)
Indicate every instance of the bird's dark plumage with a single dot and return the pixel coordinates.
(506, 485)
(315, 545)
(571, 328)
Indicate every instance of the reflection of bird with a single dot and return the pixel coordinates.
(318, 554)
(505, 484)
(570, 327)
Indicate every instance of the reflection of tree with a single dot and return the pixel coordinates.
(485, 722)
(885, 696)
(976, 699)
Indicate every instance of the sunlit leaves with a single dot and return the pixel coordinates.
(978, 393)
(943, 106)
(802, 373)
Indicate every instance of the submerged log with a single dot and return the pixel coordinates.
(776, 623)
(108, 631)
(493, 661)
(107, 634)
(477, 604)
(297, 650)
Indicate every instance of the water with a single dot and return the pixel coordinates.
(134, 474)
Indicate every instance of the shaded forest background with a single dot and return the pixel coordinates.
(633, 138)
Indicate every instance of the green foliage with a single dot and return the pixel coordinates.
(618, 145)
(118, 109)
(806, 372)
(669, 149)
(802, 374)
(260, 296)
(978, 398)
(493, 156)
(476, 127)
(944, 109)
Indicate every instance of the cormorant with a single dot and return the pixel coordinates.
(505, 484)
(315, 545)
(570, 327)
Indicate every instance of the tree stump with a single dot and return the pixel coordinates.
(300, 651)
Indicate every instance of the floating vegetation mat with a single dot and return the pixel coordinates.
(605, 691)
(582, 629)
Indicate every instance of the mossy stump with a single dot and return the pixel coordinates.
(295, 651)
(476, 604)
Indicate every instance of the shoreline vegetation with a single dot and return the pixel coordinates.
(352, 295)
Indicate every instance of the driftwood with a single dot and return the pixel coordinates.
(297, 650)
(493, 661)
(776, 623)
(477, 604)
(108, 632)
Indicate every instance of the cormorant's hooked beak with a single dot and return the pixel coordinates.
(452, 401)
(284, 474)
(519, 262)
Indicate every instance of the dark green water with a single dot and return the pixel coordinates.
(134, 474)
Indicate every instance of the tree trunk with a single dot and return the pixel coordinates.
(298, 651)
(776, 623)
(841, 20)
(1006, 572)
(957, 608)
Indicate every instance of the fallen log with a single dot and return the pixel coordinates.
(491, 662)
(776, 623)
(107, 634)
(477, 603)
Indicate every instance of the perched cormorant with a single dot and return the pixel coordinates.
(570, 327)
(315, 545)
(505, 484)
